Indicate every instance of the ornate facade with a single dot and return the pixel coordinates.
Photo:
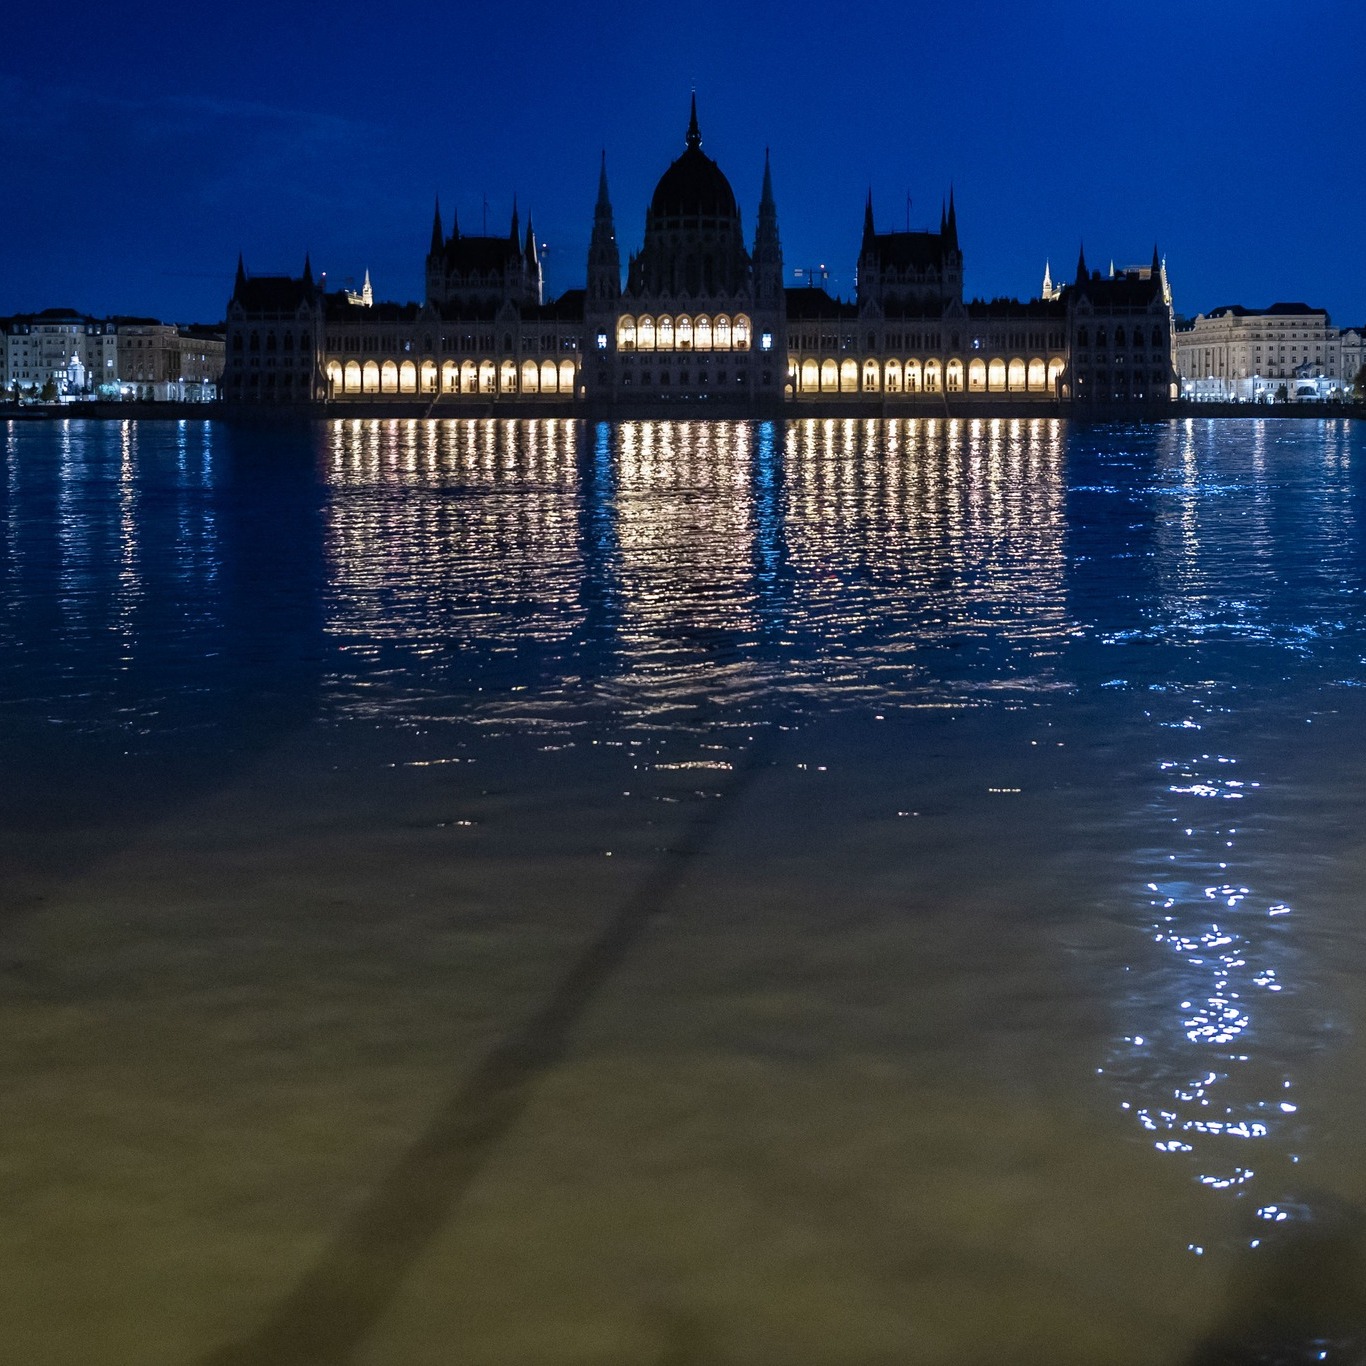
(702, 322)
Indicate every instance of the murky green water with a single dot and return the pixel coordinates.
(538, 893)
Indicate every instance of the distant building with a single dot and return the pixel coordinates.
(59, 352)
(1260, 355)
(702, 322)
(163, 362)
(68, 356)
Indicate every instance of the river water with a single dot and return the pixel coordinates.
(544, 892)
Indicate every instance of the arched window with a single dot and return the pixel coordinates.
(388, 378)
(1138, 339)
(530, 377)
(334, 376)
(488, 377)
(664, 335)
(407, 378)
(953, 376)
(469, 377)
(1037, 374)
(566, 377)
(811, 376)
(740, 333)
(1101, 340)
(977, 375)
(892, 378)
(270, 341)
(645, 333)
(1157, 337)
(550, 377)
(932, 376)
(1119, 338)
(913, 377)
(507, 377)
(351, 382)
(683, 334)
(701, 337)
(722, 340)
(1083, 337)
(848, 376)
(870, 376)
(450, 377)
(626, 334)
(830, 375)
(1015, 377)
(370, 378)
(996, 374)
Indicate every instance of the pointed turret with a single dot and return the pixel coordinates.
(1112, 267)
(367, 295)
(438, 237)
(1081, 265)
(768, 251)
(1047, 292)
(240, 282)
(604, 204)
(1157, 262)
(308, 269)
(694, 132)
(529, 250)
(951, 226)
(604, 261)
(868, 232)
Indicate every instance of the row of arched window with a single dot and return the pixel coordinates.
(285, 342)
(684, 333)
(1136, 338)
(997, 375)
(469, 377)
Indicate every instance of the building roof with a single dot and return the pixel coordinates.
(1275, 310)
(812, 302)
(908, 250)
(694, 186)
(485, 254)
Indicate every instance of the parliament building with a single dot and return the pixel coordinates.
(700, 323)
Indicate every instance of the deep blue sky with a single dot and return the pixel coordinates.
(144, 146)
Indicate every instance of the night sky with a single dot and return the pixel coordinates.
(144, 146)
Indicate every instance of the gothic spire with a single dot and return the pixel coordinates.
(530, 250)
(766, 194)
(516, 233)
(952, 225)
(1081, 265)
(868, 232)
(241, 279)
(437, 238)
(1157, 262)
(604, 199)
(694, 132)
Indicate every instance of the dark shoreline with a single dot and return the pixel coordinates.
(855, 406)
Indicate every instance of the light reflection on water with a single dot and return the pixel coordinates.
(1114, 672)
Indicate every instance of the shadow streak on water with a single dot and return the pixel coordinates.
(343, 1296)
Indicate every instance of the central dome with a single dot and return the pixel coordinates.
(694, 186)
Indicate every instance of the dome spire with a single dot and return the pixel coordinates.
(694, 132)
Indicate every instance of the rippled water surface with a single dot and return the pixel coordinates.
(683, 893)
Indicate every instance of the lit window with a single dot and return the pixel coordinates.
(602, 341)
(766, 341)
